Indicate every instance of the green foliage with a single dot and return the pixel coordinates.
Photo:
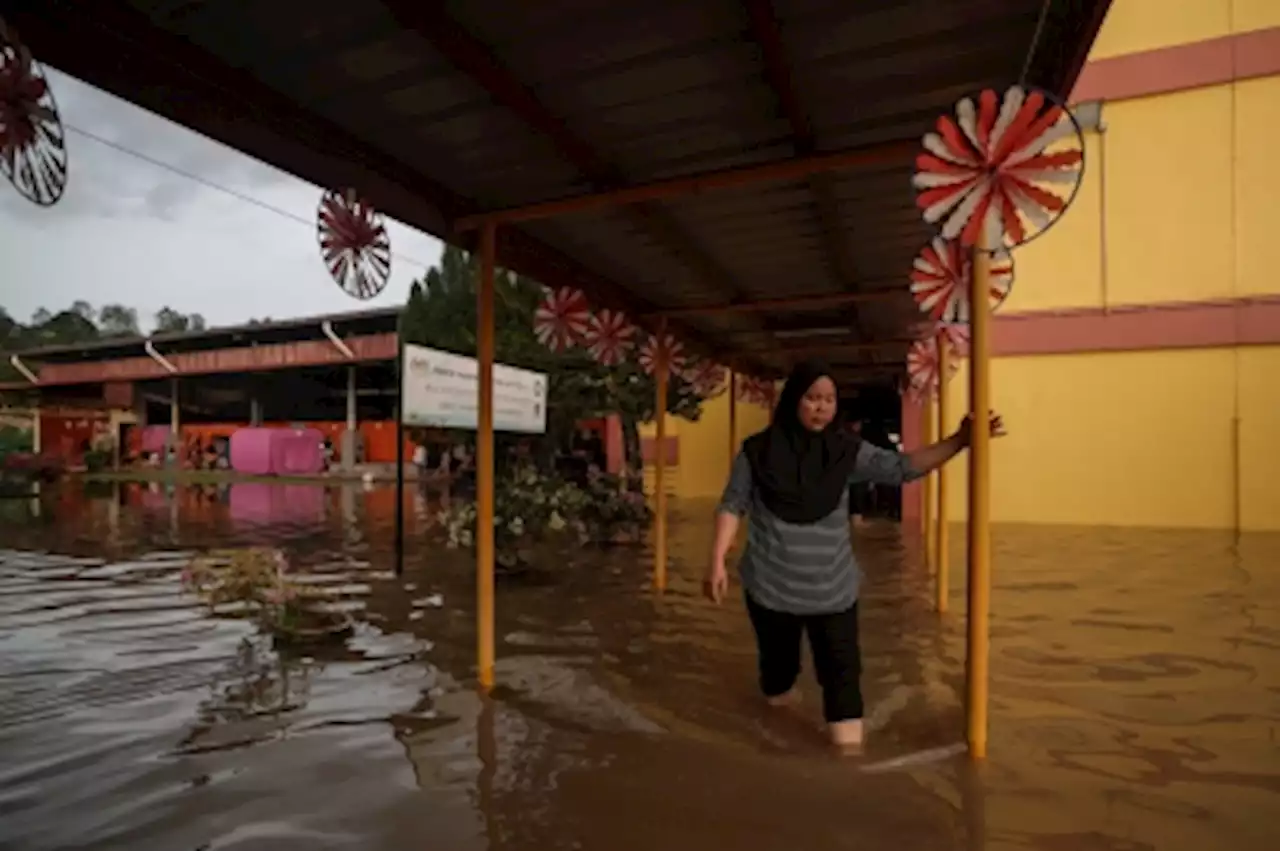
(97, 459)
(533, 510)
(616, 510)
(529, 509)
(169, 320)
(14, 439)
(66, 327)
(260, 581)
(116, 320)
(80, 323)
(441, 313)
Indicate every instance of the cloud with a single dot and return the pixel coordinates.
(147, 235)
(109, 144)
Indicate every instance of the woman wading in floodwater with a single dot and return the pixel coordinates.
(798, 568)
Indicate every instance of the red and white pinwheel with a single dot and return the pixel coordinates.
(757, 391)
(33, 149)
(957, 337)
(1002, 170)
(653, 347)
(354, 243)
(707, 378)
(560, 321)
(940, 278)
(609, 337)
(954, 335)
(923, 367)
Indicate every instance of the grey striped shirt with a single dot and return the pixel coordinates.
(805, 569)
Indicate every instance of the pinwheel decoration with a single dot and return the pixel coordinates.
(923, 367)
(609, 337)
(957, 337)
(942, 273)
(706, 378)
(653, 346)
(1002, 170)
(561, 320)
(757, 391)
(33, 143)
(354, 243)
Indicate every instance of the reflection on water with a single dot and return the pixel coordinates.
(1136, 694)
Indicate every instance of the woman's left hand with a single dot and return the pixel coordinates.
(994, 423)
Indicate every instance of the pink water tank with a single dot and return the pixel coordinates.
(277, 451)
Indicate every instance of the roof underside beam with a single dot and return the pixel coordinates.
(474, 59)
(766, 33)
(773, 305)
(774, 171)
(120, 50)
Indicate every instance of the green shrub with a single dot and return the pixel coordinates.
(97, 459)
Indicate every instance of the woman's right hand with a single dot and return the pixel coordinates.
(716, 584)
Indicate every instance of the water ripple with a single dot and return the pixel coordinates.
(1135, 694)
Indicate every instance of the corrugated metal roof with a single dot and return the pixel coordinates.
(438, 110)
(375, 320)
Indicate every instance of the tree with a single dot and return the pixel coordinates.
(170, 321)
(116, 320)
(76, 325)
(415, 326)
(65, 328)
(9, 329)
(441, 313)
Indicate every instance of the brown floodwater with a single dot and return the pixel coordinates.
(1135, 694)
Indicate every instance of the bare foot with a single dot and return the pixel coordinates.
(846, 735)
(789, 698)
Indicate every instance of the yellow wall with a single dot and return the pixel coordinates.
(1259, 433)
(1169, 197)
(1132, 439)
(1192, 193)
(704, 446)
(1257, 182)
(1136, 25)
(1180, 202)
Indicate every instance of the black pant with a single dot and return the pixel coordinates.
(837, 659)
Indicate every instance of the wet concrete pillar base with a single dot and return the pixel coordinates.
(350, 449)
(350, 437)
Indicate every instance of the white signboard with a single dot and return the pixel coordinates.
(441, 390)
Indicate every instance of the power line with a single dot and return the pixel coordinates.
(209, 184)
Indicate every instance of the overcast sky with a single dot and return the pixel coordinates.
(133, 233)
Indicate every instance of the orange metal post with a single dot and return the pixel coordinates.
(660, 463)
(942, 534)
(484, 460)
(927, 485)
(733, 416)
(978, 644)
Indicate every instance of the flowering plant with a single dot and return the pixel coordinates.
(529, 507)
(616, 509)
(258, 580)
(534, 508)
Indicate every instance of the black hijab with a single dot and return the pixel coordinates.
(801, 475)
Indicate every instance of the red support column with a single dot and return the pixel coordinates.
(913, 493)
